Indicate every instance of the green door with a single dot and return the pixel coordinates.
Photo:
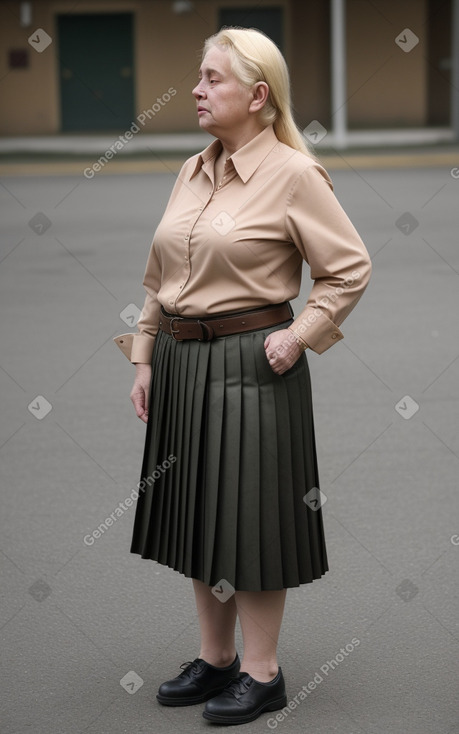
(96, 71)
(266, 19)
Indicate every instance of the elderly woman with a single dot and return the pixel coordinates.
(222, 378)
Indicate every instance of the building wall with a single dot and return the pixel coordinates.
(439, 68)
(28, 97)
(385, 85)
(309, 61)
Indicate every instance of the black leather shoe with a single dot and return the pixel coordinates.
(244, 699)
(198, 682)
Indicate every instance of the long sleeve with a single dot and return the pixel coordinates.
(139, 347)
(339, 262)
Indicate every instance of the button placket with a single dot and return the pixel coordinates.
(187, 256)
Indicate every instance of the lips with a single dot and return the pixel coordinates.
(202, 109)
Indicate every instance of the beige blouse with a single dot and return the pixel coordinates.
(240, 243)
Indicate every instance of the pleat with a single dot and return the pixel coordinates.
(192, 475)
(311, 543)
(160, 407)
(231, 505)
(166, 442)
(213, 441)
(295, 511)
(144, 536)
(176, 440)
(231, 471)
(185, 474)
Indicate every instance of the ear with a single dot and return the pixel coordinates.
(260, 92)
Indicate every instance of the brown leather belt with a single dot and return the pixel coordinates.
(224, 325)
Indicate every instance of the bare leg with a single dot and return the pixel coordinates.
(217, 621)
(260, 614)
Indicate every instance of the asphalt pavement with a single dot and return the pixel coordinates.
(89, 631)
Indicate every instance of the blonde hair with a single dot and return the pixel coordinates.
(255, 58)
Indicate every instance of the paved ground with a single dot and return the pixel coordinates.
(77, 619)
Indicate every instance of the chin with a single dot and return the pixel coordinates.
(206, 126)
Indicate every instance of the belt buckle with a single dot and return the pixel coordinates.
(175, 331)
(207, 332)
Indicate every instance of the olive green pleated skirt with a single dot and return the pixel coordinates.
(229, 456)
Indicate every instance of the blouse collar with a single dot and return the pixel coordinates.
(245, 160)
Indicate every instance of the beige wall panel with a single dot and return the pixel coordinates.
(310, 61)
(386, 86)
(28, 99)
(168, 55)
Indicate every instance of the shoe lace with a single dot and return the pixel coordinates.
(189, 668)
(237, 685)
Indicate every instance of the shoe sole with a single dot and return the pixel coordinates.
(166, 701)
(280, 703)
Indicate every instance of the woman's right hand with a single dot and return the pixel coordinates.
(140, 390)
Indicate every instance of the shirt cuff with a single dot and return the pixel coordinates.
(136, 347)
(298, 338)
(316, 330)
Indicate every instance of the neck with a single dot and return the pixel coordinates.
(232, 143)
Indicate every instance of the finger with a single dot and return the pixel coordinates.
(282, 366)
(139, 405)
(145, 410)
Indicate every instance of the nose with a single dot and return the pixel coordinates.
(197, 92)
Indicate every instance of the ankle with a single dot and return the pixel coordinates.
(220, 659)
(263, 672)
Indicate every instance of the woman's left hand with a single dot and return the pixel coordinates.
(282, 350)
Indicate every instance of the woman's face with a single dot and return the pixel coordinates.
(223, 102)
